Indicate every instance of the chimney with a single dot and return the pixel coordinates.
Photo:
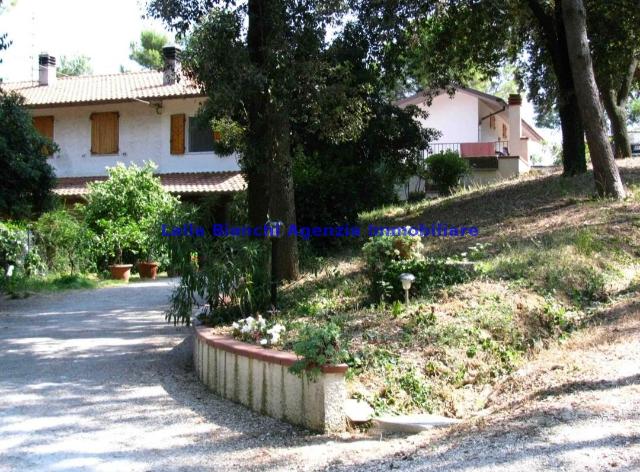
(515, 125)
(47, 69)
(171, 71)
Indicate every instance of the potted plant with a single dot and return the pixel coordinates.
(151, 247)
(148, 267)
(120, 236)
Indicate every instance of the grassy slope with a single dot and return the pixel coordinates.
(550, 257)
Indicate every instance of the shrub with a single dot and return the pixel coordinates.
(445, 169)
(13, 244)
(229, 274)
(317, 346)
(27, 178)
(380, 252)
(64, 242)
(386, 257)
(125, 212)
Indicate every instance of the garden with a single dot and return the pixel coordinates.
(472, 311)
(114, 234)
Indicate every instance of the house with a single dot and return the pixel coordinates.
(98, 121)
(484, 129)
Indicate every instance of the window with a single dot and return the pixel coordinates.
(177, 134)
(492, 122)
(505, 135)
(200, 137)
(44, 125)
(104, 133)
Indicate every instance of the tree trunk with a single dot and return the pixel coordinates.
(551, 25)
(574, 156)
(269, 131)
(618, 119)
(574, 160)
(605, 170)
(257, 195)
(255, 162)
(281, 196)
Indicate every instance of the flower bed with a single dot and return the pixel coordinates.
(260, 379)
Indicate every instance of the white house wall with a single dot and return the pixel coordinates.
(144, 135)
(486, 133)
(455, 117)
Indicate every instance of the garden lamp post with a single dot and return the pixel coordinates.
(273, 231)
(407, 280)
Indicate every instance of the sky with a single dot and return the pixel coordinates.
(100, 29)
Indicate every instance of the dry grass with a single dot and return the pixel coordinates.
(554, 259)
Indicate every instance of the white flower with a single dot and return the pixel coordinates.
(275, 337)
(246, 329)
(263, 342)
(235, 325)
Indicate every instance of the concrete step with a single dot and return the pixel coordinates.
(357, 411)
(413, 423)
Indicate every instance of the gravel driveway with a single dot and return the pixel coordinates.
(96, 380)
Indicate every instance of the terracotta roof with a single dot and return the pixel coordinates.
(102, 89)
(179, 183)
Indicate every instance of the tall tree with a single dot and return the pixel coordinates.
(73, 66)
(606, 173)
(282, 37)
(548, 46)
(271, 79)
(615, 45)
(148, 53)
(26, 178)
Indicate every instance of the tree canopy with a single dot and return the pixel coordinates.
(74, 65)
(26, 178)
(148, 52)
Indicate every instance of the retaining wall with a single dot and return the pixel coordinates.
(259, 378)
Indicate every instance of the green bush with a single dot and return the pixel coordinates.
(126, 211)
(317, 346)
(386, 257)
(64, 242)
(380, 252)
(445, 169)
(13, 244)
(26, 176)
(230, 274)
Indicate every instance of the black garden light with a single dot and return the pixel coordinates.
(273, 231)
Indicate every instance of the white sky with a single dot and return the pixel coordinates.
(100, 29)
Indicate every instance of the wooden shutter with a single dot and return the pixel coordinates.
(44, 125)
(104, 133)
(177, 134)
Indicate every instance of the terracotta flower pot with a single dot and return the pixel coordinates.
(148, 270)
(120, 271)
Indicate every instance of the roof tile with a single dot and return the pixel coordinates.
(178, 183)
(102, 88)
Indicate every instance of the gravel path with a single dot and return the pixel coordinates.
(97, 381)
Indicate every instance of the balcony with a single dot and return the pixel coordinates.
(470, 150)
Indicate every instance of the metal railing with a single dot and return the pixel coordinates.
(501, 148)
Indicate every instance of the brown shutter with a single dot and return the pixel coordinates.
(44, 125)
(104, 133)
(177, 134)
